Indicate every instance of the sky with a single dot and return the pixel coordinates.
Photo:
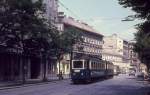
(103, 15)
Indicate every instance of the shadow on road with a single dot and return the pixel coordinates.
(131, 78)
(91, 82)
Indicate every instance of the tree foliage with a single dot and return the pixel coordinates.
(142, 37)
(64, 43)
(141, 7)
(23, 25)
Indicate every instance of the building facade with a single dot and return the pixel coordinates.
(90, 47)
(133, 56)
(125, 51)
(51, 10)
(116, 51)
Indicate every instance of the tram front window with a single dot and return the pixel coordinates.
(77, 64)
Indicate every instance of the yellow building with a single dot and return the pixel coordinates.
(143, 68)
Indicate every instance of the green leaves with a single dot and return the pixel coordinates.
(70, 37)
(141, 7)
(22, 25)
(142, 37)
(63, 42)
(19, 24)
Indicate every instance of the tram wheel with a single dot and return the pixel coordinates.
(75, 82)
(88, 80)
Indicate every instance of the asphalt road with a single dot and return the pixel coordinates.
(119, 85)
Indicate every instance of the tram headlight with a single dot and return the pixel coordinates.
(74, 74)
(82, 74)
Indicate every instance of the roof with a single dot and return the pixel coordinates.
(80, 25)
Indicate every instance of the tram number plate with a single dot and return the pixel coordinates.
(76, 70)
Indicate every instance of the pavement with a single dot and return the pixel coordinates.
(20, 85)
(119, 85)
(30, 82)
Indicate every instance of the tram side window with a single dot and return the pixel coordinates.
(105, 66)
(112, 67)
(86, 64)
(92, 65)
(100, 66)
(77, 64)
(108, 66)
(97, 65)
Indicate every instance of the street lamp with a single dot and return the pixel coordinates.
(59, 56)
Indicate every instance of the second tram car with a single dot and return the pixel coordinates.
(116, 70)
(87, 70)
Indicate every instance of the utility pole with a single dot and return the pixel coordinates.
(71, 57)
(44, 63)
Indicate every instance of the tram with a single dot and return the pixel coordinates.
(116, 70)
(87, 70)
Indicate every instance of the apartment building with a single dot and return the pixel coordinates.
(91, 45)
(116, 51)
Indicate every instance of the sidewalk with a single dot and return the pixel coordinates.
(29, 82)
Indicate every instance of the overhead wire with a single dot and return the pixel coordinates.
(68, 9)
(90, 19)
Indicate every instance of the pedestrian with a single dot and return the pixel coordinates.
(61, 75)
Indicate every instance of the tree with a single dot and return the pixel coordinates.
(142, 45)
(64, 42)
(141, 7)
(142, 10)
(20, 21)
(22, 25)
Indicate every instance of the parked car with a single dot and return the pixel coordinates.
(140, 75)
(131, 73)
(149, 76)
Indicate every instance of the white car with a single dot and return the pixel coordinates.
(132, 74)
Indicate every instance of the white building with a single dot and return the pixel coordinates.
(51, 10)
(91, 45)
(133, 56)
(115, 50)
